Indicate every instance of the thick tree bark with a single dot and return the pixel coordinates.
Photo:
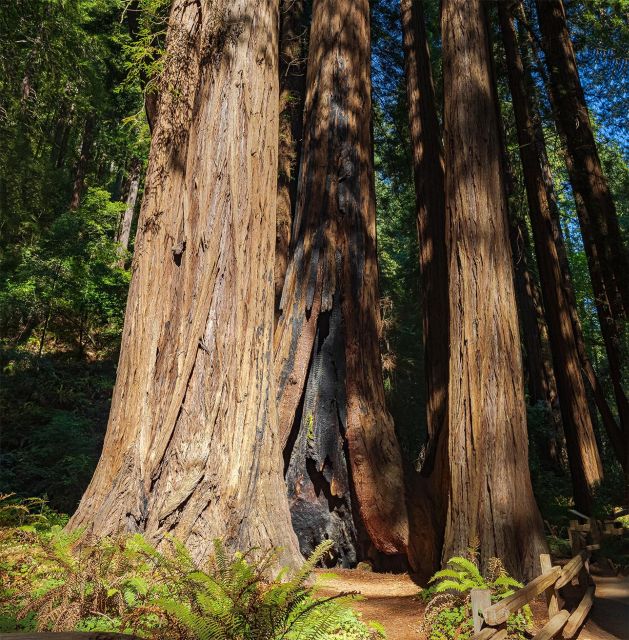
(427, 499)
(293, 48)
(491, 499)
(586, 174)
(124, 230)
(192, 447)
(583, 456)
(342, 450)
(83, 162)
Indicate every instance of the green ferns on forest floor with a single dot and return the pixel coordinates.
(57, 580)
(448, 612)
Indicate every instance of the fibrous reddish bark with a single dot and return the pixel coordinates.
(427, 497)
(327, 356)
(491, 499)
(192, 447)
(583, 456)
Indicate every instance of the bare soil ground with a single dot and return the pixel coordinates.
(392, 600)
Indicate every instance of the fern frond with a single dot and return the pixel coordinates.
(460, 586)
(447, 573)
(506, 580)
(466, 565)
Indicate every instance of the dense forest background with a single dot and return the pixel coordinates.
(74, 79)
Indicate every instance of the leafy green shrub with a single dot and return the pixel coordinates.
(448, 613)
(58, 580)
(54, 413)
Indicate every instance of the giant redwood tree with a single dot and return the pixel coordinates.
(491, 499)
(583, 456)
(344, 468)
(192, 446)
(427, 493)
(428, 176)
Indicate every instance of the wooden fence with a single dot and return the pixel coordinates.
(490, 619)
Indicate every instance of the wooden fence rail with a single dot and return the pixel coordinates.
(549, 582)
(490, 619)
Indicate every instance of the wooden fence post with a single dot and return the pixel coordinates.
(576, 540)
(481, 599)
(552, 599)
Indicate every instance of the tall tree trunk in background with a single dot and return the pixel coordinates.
(342, 455)
(83, 162)
(192, 446)
(614, 433)
(583, 456)
(428, 173)
(618, 435)
(491, 500)
(586, 174)
(124, 230)
(293, 50)
(541, 383)
(427, 522)
(612, 338)
(61, 133)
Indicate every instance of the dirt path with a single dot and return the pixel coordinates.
(609, 618)
(391, 599)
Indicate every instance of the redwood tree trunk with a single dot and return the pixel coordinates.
(192, 446)
(583, 456)
(586, 174)
(293, 48)
(610, 329)
(491, 499)
(540, 376)
(343, 457)
(428, 173)
(427, 499)
(124, 232)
